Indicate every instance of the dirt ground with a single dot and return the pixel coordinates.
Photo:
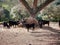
(40, 36)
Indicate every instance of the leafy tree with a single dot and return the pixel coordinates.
(53, 12)
(6, 13)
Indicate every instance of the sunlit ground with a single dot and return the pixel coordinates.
(40, 36)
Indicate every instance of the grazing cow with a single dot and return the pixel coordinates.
(43, 22)
(59, 23)
(13, 23)
(27, 25)
(5, 24)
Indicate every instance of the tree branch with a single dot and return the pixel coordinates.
(39, 8)
(26, 5)
(35, 3)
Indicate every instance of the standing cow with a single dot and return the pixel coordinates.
(5, 24)
(29, 22)
(28, 25)
(13, 23)
(43, 22)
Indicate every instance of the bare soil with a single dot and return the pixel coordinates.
(40, 36)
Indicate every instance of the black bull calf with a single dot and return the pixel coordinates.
(5, 24)
(13, 23)
(29, 26)
(43, 22)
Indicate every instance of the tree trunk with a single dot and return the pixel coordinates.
(33, 11)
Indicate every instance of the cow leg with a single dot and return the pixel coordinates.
(28, 29)
(40, 25)
(48, 24)
(15, 26)
(8, 26)
(33, 28)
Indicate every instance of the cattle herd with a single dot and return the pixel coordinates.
(11, 23)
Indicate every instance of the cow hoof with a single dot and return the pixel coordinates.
(28, 30)
(29, 44)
